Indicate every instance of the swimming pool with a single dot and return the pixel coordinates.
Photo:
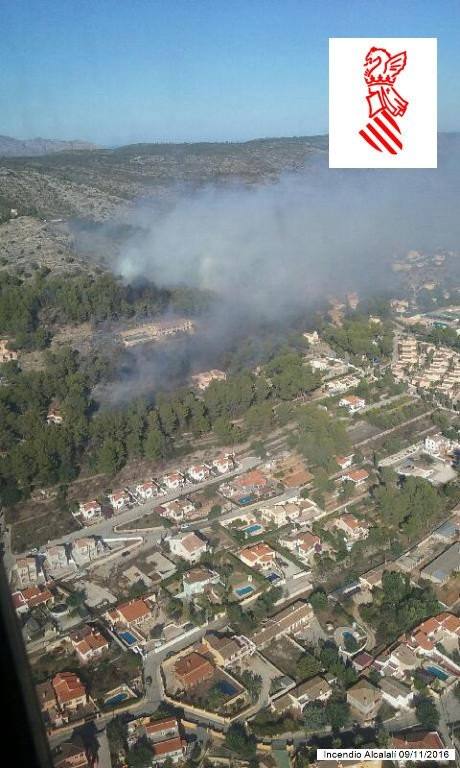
(252, 530)
(437, 672)
(246, 500)
(243, 591)
(226, 688)
(128, 637)
(272, 577)
(117, 699)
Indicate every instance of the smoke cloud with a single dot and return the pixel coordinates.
(267, 250)
(271, 252)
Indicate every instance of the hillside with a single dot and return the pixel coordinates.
(94, 184)
(11, 147)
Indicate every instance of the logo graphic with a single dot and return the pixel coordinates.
(385, 104)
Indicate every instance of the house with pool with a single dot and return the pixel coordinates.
(259, 556)
(131, 623)
(194, 677)
(195, 581)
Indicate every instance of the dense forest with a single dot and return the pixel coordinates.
(36, 454)
(30, 309)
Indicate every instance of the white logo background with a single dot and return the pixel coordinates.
(348, 107)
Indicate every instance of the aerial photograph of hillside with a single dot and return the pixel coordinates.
(229, 387)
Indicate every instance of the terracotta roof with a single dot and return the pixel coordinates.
(452, 623)
(117, 495)
(308, 540)
(133, 610)
(18, 600)
(423, 641)
(352, 522)
(356, 475)
(193, 668)
(260, 551)
(426, 740)
(36, 595)
(254, 477)
(191, 542)
(86, 506)
(89, 640)
(167, 746)
(67, 687)
(161, 725)
(352, 399)
(197, 575)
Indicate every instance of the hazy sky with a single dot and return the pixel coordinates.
(117, 71)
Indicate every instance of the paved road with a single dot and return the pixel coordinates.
(103, 756)
(106, 528)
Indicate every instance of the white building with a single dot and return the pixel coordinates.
(146, 490)
(118, 499)
(199, 472)
(173, 480)
(352, 403)
(85, 550)
(224, 464)
(90, 510)
(27, 571)
(56, 558)
(189, 546)
(276, 515)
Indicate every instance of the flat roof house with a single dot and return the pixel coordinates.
(397, 694)
(364, 698)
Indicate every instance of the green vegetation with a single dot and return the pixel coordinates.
(104, 441)
(398, 606)
(30, 308)
(410, 506)
(395, 414)
(358, 337)
(321, 438)
(427, 713)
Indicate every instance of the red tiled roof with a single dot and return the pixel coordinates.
(257, 552)
(356, 475)
(167, 746)
(428, 740)
(254, 477)
(67, 687)
(134, 610)
(36, 595)
(161, 725)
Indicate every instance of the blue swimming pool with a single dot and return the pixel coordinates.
(226, 688)
(117, 699)
(243, 591)
(272, 577)
(252, 530)
(246, 500)
(128, 637)
(437, 672)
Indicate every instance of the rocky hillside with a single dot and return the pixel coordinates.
(94, 184)
(10, 147)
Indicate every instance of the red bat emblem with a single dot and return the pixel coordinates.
(381, 69)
